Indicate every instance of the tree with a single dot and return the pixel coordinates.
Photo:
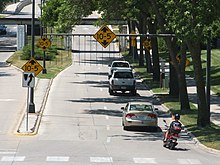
(65, 14)
(190, 20)
(3, 4)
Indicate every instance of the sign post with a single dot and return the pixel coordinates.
(28, 81)
(44, 43)
(32, 66)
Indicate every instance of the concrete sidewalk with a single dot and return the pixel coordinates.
(214, 100)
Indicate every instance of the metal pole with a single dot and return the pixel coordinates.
(208, 68)
(31, 103)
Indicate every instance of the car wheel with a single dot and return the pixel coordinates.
(134, 92)
(110, 91)
(125, 128)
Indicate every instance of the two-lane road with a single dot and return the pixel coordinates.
(81, 125)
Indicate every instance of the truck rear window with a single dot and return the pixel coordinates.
(123, 75)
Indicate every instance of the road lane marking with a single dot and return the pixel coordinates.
(188, 161)
(101, 159)
(13, 158)
(57, 158)
(7, 152)
(108, 139)
(144, 160)
(105, 108)
(7, 99)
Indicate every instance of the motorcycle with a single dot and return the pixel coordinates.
(172, 137)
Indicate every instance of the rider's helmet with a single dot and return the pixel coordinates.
(177, 116)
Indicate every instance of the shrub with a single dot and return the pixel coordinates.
(50, 53)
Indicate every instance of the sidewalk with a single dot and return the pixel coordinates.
(214, 100)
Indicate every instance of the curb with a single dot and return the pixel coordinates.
(38, 115)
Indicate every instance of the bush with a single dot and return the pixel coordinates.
(38, 53)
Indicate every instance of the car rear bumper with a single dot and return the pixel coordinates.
(122, 87)
(140, 123)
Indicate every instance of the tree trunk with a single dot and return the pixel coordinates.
(155, 54)
(203, 119)
(133, 50)
(184, 99)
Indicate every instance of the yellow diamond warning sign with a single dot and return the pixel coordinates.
(104, 36)
(32, 66)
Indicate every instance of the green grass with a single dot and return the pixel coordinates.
(62, 61)
(209, 136)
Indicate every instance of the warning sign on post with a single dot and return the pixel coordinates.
(32, 66)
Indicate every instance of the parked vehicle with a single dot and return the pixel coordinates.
(3, 29)
(116, 65)
(141, 114)
(172, 136)
(122, 80)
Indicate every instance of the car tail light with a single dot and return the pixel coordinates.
(152, 115)
(130, 115)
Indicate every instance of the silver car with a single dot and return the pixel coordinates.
(139, 114)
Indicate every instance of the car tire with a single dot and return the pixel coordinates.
(134, 92)
(125, 128)
(110, 91)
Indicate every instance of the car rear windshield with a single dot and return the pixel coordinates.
(120, 64)
(141, 107)
(123, 75)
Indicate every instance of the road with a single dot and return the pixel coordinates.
(81, 123)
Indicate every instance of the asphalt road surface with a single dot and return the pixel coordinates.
(81, 124)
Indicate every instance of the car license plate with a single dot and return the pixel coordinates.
(123, 87)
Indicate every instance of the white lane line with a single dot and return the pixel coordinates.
(108, 127)
(7, 153)
(57, 159)
(101, 159)
(12, 158)
(108, 139)
(188, 161)
(7, 99)
(105, 108)
(145, 160)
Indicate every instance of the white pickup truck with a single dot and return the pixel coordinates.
(122, 80)
(117, 64)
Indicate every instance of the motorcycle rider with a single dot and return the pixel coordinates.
(173, 124)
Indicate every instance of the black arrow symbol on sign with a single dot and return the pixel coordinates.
(31, 76)
(105, 42)
(104, 29)
(32, 62)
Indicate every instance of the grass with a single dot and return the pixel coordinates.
(62, 61)
(209, 136)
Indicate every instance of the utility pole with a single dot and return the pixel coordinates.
(31, 103)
